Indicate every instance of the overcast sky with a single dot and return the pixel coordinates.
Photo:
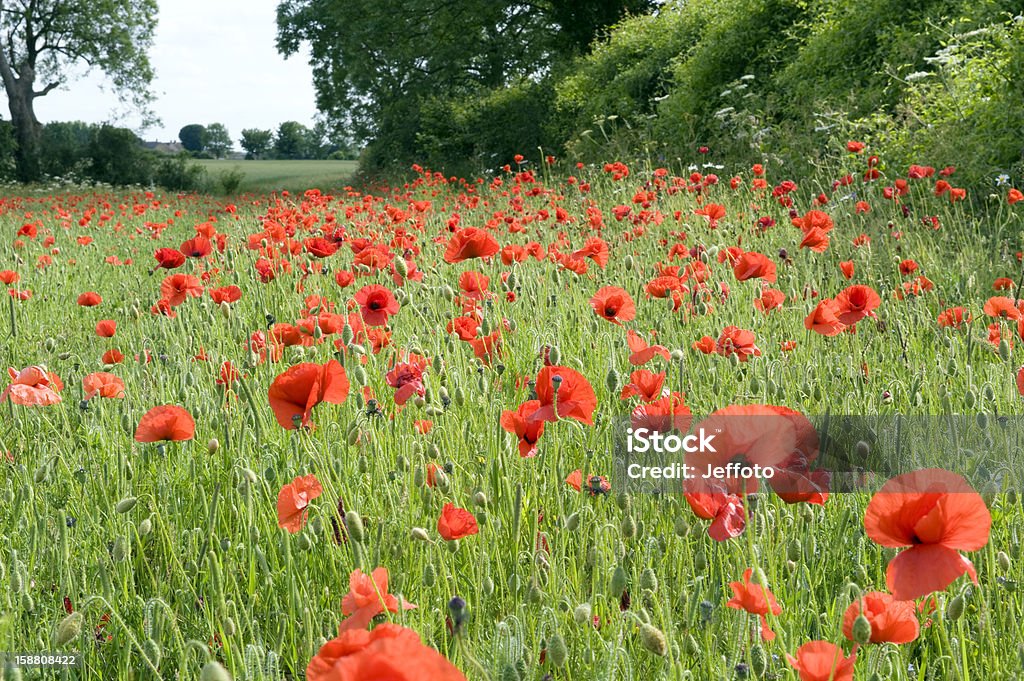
(215, 61)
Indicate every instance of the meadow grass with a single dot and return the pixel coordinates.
(274, 175)
(196, 566)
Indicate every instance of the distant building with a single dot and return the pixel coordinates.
(164, 147)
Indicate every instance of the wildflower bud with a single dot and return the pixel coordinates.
(758, 660)
(955, 609)
(555, 356)
(480, 499)
(121, 550)
(653, 640)
(354, 524)
(68, 629)
(459, 397)
(213, 446)
(447, 293)
(700, 563)
(690, 646)
(612, 380)
(487, 585)
(982, 419)
(760, 578)
(618, 582)
(572, 522)
(151, 649)
(145, 527)
(629, 263)
(419, 534)
(1004, 350)
(535, 596)
(970, 399)
(649, 580)
(125, 505)
(794, 551)
(624, 501)
(628, 527)
(582, 614)
(458, 611)
(590, 560)
(40, 475)
(557, 652)
(213, 671)
(429, 575)
(1004, 561)
(861, 630)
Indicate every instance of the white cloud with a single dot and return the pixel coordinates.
(215, 61)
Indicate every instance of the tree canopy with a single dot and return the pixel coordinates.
(375, 62)
(46, 41)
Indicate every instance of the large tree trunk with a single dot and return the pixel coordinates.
(26, 131)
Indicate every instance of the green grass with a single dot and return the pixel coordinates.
(275, 176)
(198, 567)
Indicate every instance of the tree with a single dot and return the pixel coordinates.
(193, 137)
(290, 141)
(218, 140)
(256, 142)
(40, 42)
(376, 62)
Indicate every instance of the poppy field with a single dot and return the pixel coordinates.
(345, 435)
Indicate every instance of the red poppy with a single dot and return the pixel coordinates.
(815, 239)
(196, 247)
(456, 523)
(711, 501)
(9, 277)
(177, 287)
(736, 341)
(847, 268)
(1000, 306)
(854, 147)
(89, 299)
(226, 294)
(1013, 196)
(102, 384)
(388, 652)
(755, 599)
(822, 661)
(376, 304)
(641, 352)
(473, 285)
(936, 513)
(295, 392)
(168, 258)
(407, 379)
(106, 328)
(596, 249)
(519, 424)
(33, 386)
(469, 243)
(319, 247)
(855, 303)
(564, 393)
(166, 422)
(293, 501)
(644, 384)
(368, 597)
(770, 299)
(614, 304)
(892, 621)
(824, 319)
(753, 265)
(344, 278)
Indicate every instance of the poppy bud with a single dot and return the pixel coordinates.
(535, 596)
(681, 526)
(572, 522)
(700, 563)
(460, 396)
(581, 615)
(487, 585)
(429, 575)
(213, 671)
(989, 492)
(1004, 350)
(618, 582)
(955, 609)
(628, 527)
(121, 550)
(555, 357)
(41, 473)
(68, 629)
(420, 534)
(612, 380)
(982, 419)
(480, 499)
(1004, 561)
(557, 652)
(354, 524)
(653, 640)
(624, 501)
(861, 630)
(970, 399)
(760, 578)
(758, 660)
(125, 505)
(794, 551)
(145, 527)
(649, 580)
(590, 560)
(151, 649)
(447, 293)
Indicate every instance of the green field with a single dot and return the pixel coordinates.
(272, 176)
